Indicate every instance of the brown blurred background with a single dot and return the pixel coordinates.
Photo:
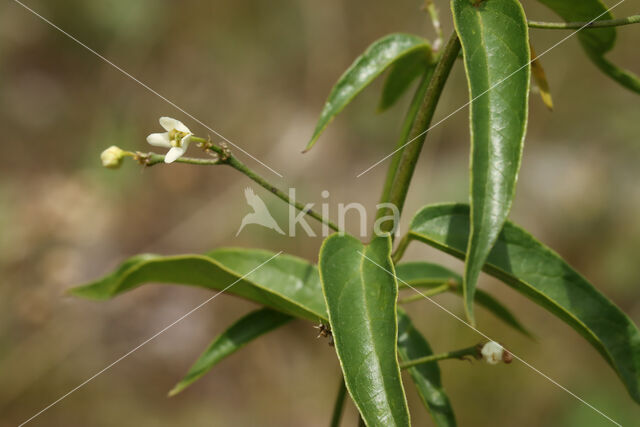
(258, 71)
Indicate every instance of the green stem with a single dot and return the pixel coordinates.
(339, 405)
(456, 354)
(402, 247)
(634, 19)
(413, 146)
(225, 158)
(404, 137)
(427, 293)
(153, 159)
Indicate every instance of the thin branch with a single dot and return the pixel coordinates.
(150, 159)
(444, 287)
(339, 405)
(420, 126)
(456, 354)
(402, 247)
(634, 19)
(225, 158)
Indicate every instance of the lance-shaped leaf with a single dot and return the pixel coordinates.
(361, 292)
(543, 276)
(597, 42)
(427, 275)
(402, 74)
(377, 58)
(495, 45)
(245, 330)
(426, 376)
(284, 283)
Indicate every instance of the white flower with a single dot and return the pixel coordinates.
(492, 353)
(176, 137)
(112, 157)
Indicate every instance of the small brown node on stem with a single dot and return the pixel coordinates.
(142, 158)
(226, 151)
(507, 357)
(325, 331)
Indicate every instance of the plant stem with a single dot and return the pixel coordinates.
(456, 354)
(339, 405)
(634, 19)
(404, 137)
(413, 146)
(428, 293)
(151, 159)
(402, 247)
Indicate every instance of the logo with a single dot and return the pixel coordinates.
(260, 215)
(298, 217)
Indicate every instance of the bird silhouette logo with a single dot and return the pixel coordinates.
(260, 214)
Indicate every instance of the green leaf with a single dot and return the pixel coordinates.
(543, 276)
(426, 376)
(402, 74)
(285, 283)
(361, 299)
(595, 41)
(495, 46)
(377, 58)
(426, 275)
(242, 332)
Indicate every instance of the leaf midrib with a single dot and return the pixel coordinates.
(368, 324)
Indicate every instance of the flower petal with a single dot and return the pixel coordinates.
(181, 127)
(173, 154)
(184, 142)
(159, 139)
(169, 123)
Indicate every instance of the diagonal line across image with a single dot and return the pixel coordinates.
(462, 107)
(151, 338)
(147, 87)
(536, 370)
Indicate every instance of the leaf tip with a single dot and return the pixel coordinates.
(310, 145)
(175, 390)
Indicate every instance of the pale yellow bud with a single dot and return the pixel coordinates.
(112, 157)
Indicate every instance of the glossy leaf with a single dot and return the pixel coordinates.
(245, 330)
(426, 275)
(285, 283)
(361, 293)
(375, 60)
(596, 41)
(402, 74)
(426, 376)
(543, 276)
(495, 46)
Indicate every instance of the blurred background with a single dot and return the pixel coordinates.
(259, 71)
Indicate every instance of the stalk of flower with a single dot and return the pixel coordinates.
(177, 138)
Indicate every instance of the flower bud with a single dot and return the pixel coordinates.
(492, 353)
(112, 157)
